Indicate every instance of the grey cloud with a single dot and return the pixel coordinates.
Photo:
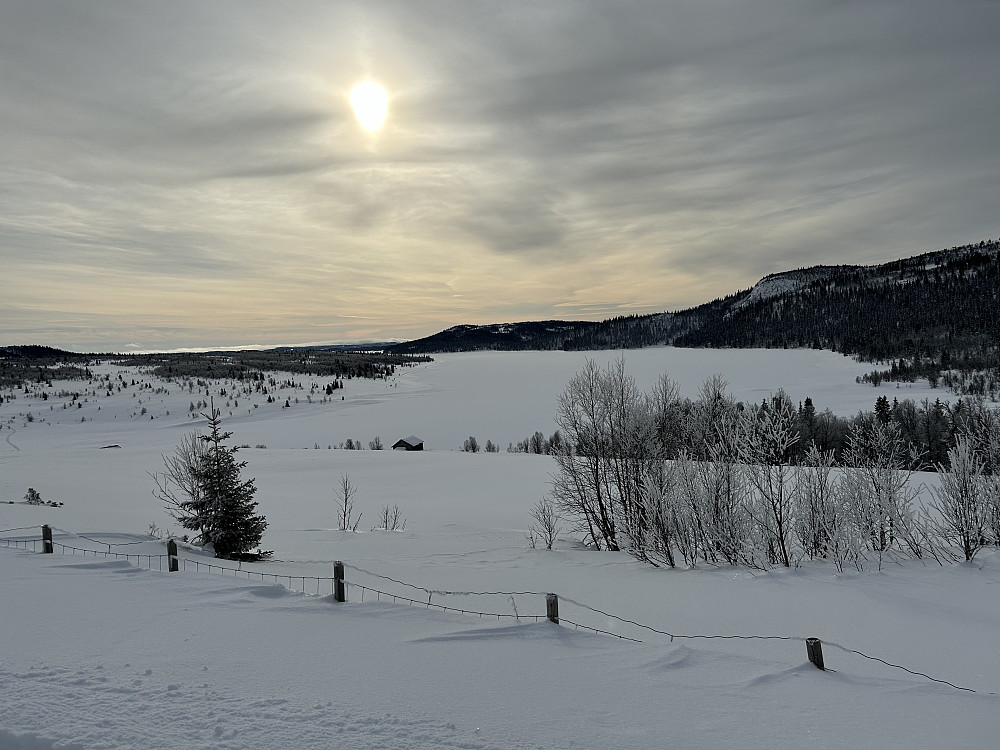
(513, 223)
(715, 139)
(813, 102)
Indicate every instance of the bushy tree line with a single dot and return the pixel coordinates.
(710, 480)
(538, 444)
(471, 445)
(253, 364)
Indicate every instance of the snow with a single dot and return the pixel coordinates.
(106, 652)
(773, 286)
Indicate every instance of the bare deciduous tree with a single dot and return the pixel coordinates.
(818, 515)
(392, 519)
(580, 488)
(546, 525)
(961, 499)
(768, 436)
(983, 430)
(715, 481)
(178, 486)
(345, 504)
(877, 487)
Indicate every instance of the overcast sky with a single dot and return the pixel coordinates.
(190, 174)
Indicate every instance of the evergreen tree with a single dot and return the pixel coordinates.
(223, 509)
(882, 410)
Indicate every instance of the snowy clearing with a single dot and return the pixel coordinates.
(100, 651)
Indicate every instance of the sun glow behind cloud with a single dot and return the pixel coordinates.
(371, 104)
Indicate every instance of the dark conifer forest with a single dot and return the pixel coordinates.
(931, 316)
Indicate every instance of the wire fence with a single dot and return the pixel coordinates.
(22, 543)
(188, 563)
(327, 585)
(64, 548)
(96, 541)
(397, 598)
(36, 544)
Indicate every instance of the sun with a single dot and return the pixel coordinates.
(370, 104)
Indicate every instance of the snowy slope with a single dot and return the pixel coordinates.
(101, 652)
(779, 284)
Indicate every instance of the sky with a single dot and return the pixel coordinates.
(191, 174)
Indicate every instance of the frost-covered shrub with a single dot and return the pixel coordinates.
(546, 524)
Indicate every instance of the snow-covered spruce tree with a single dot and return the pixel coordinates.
(221, 509)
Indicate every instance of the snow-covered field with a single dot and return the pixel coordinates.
(104, 652)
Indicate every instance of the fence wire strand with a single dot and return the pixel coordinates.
(900, 666)
(680, 635)
(446, 608)
(98, 541)
(598, 630)
(430, 592)
(443, 592)
(763, 638)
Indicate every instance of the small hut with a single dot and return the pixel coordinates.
(411, 443)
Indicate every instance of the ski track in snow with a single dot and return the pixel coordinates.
(126, 707)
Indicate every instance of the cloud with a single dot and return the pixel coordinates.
(538, 160)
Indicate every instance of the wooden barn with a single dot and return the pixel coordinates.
(411, 443)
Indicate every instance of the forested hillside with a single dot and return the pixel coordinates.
(930, 316)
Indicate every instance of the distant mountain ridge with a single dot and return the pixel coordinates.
(932, 311)
(542, 334)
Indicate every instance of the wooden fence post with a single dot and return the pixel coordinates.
(814, 649)
(339, 588)
(46, 539)
(552, 608)
(172, 556)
